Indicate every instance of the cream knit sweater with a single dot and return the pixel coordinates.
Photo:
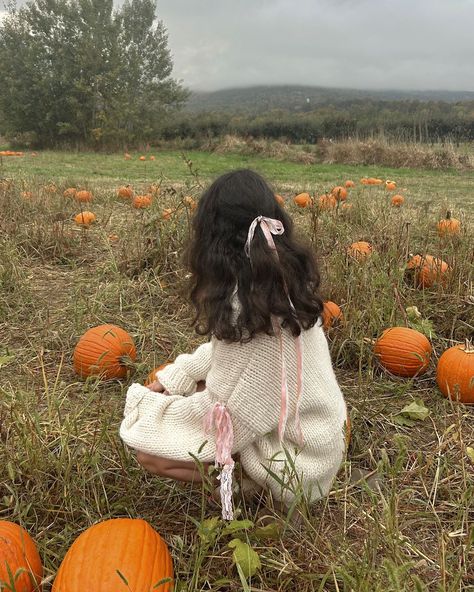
(247, 378)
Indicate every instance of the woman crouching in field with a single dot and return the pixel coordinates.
(270, 394)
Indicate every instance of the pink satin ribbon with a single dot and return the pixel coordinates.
(219, 417)
(271, 226)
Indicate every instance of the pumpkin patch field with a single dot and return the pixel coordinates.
(93, 297)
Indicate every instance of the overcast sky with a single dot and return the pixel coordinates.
(400, 44)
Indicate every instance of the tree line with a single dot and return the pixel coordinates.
(408, 121)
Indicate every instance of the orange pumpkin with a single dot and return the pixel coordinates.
(403, 351)
(280, 199)
(85, 218)
(153, 189)
(18, 552)
(428, 270)
(397, 200)
(125, 192)
(152, 157)
(70, 192)
(390, 185)
(152, 375)
(364, 181)
(189, 202)
(340, 193)
(166, 214)
(84, 196)
(349, 183)
(103, 351)
(331, 313)
(455, 373)
(360, 250)
(449, 226)
(142, 201)
(142, 158)
(303, 200)
(327, 201)
(129, 546)
(127, 156)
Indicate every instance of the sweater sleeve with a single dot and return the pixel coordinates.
(181, 377)
(174, 426)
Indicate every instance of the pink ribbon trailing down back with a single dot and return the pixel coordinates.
(271, 226)
(219, 416)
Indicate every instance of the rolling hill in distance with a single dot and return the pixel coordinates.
(258, 99)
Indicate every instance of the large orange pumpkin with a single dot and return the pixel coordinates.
(449, 226)
(403, 351)
(83, 196)
(85, 218)
(340, 193)
(349, 183)
(455, 373)
(125, 546)
(331, 313)
(70, 192)
(398, 200)
(303, 200)
(103, 351)
(142, 201)
(428, 270)
(125, 192)
(360, 250)
(18, 552)
(390, 185)
(327, 201)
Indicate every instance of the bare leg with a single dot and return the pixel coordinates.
(173, 469)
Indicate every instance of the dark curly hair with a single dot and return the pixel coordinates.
(217, 261)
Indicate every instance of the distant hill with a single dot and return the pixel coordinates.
(257, 99)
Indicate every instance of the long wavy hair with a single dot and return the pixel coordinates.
(216, 259)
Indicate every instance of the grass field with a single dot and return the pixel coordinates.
(408, 525)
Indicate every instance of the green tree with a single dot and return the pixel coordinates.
(78, 71)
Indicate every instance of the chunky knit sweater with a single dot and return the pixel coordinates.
(247, 379)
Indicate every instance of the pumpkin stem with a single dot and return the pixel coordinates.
(448, 215)
(468, 346)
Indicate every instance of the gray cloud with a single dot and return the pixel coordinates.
(375, 44)
(405, 44)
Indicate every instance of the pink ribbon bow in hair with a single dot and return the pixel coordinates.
(219, 417)
(271, 226)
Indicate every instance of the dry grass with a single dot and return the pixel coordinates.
(381, 152)
(63, 466)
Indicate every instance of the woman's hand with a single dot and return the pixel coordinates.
(157, 387)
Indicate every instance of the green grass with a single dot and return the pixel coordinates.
(62, 464)
(69, 168)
